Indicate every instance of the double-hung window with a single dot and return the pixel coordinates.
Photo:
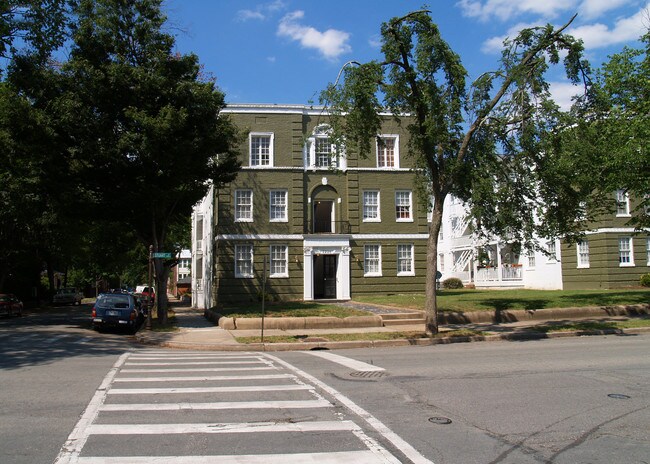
(583, 253)
(403, 206)
(244, 261)
(324, 153)
(278, 206)
(388, 152)
(279, 258)
(261, 149)
(405, 260)
(372, 260)
(622, 204)
(625, 252)
(243, 205)
(371, 206)
(551, 249)
(531, 259)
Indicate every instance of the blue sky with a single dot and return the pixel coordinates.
(286, 51)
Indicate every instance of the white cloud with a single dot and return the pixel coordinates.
(495, 44)
(594, 8)
(331, 44)
(261, 12)
(625, 29)
(505, 10)
(562, 92)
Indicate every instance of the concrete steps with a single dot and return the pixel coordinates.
(403, 318)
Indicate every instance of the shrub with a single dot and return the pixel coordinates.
(645, 280)
(452, 282)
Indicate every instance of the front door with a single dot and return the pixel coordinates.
(325, 276)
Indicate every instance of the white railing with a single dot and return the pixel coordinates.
(495, 274)
(511, 273)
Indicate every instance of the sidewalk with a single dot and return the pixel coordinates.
(197, 333)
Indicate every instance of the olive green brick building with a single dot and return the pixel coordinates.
(325, 224)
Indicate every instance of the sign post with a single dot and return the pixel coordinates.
(149, 308)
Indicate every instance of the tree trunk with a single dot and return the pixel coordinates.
(161, 275)
(431, 304)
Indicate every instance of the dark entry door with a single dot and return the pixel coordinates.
(325, 276)
(329, 276)
(323, 216)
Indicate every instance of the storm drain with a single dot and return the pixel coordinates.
(367, 374)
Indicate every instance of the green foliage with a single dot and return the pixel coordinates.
(452, 283)
(488, 143)
(645, 280)
(613, 129)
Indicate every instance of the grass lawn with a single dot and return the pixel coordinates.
(489, 300)
(293, 309)
(346, 337)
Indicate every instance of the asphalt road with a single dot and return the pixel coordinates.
(574, 400)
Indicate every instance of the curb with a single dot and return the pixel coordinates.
(308, 346)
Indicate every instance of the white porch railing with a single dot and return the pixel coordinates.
(498, 274)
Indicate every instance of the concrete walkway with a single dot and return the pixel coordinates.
(197, 333)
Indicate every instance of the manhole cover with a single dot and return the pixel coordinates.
(618, 396)
(440, 420)
(367, 374)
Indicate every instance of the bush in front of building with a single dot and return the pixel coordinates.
(645, 280)
(452, 283)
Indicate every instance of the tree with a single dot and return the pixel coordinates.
(486, 143)
(146, 134)
(39, 24)
(612, 132)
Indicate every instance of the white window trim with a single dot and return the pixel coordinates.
(531, 257)
(252, 260)
(410, 218)
(286, 205)
(647, 250)
(551, 258)
(579, 264)
(320, 132)
(626, 202)
(395, 154)
(631, 251)
(271, 135)
(238, 219)
(412, 271)
(372, 274)
(363, 206)
(286, 262)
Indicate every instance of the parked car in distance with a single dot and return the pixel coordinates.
(117, 310)
(144, 291)
(10, 305)
(68, 295)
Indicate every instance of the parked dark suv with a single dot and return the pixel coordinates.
(120, 310)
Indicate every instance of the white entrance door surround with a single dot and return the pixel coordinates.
(327, 245)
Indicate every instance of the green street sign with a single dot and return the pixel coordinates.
(161, 255)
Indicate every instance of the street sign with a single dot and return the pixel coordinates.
(161, 255)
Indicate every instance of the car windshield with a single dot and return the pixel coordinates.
(65, 290)
(113, 301)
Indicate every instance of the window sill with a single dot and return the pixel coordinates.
(243, 220)
(583, 267)
(371, 220)
(626, 265)
(373, 274)
(404, 220)
(405, 274)
(279, 276)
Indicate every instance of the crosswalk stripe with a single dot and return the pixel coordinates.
(320, 403)
(249, 388)
(244, 427)
(192, 363)
(336, 457)
(206, 377)
(168, 358)
(200, 369)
